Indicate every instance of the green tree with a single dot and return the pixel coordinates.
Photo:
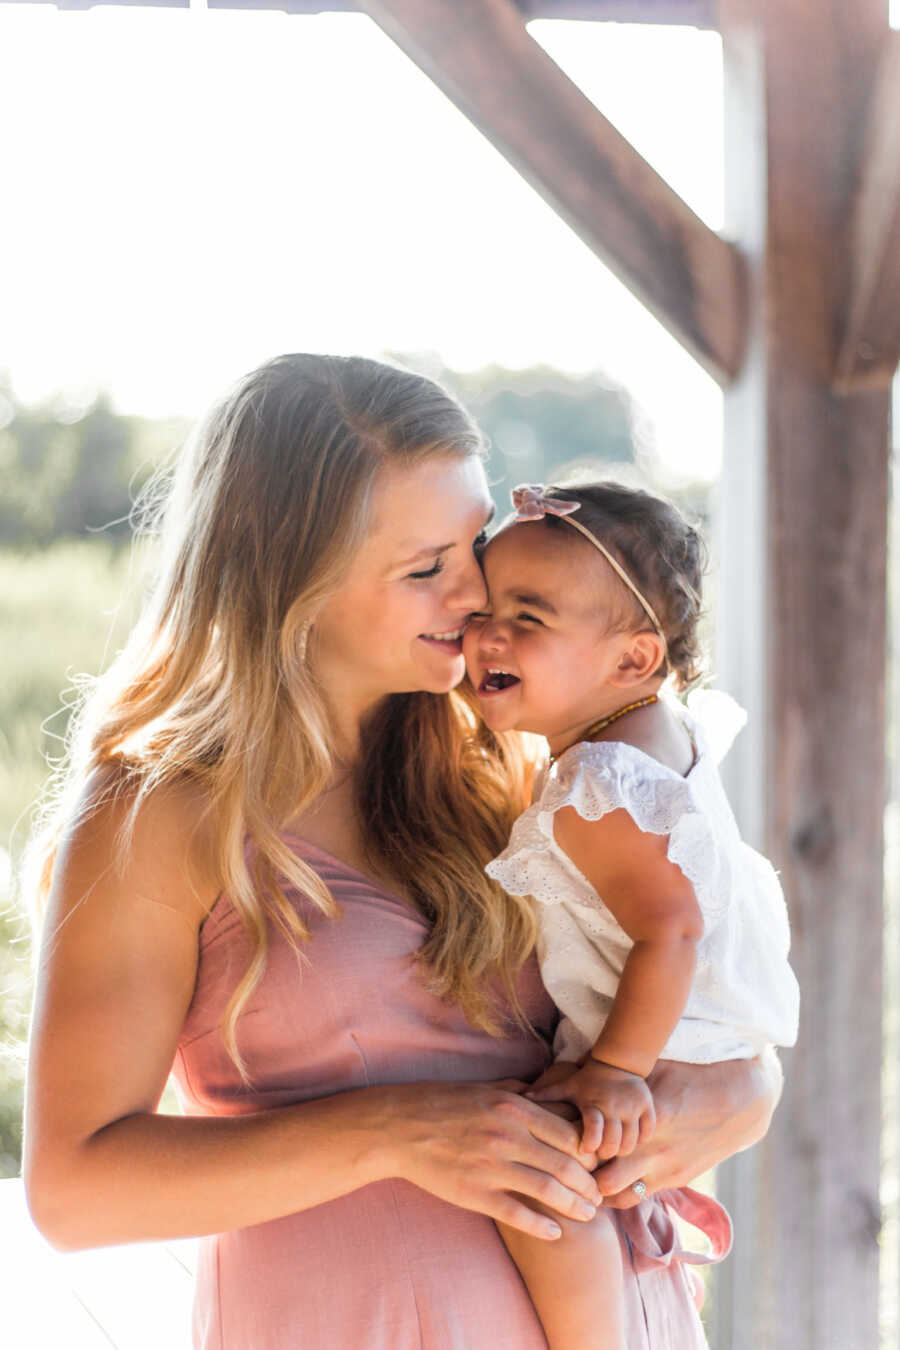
(540, 421)
(69, 472)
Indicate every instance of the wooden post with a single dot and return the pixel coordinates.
(805, 1272)
(742, 633)
(870, 345)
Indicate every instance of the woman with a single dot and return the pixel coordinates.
(266, 867)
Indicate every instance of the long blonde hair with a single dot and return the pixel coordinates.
(268, 506)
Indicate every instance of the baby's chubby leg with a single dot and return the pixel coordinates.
(575, 1282)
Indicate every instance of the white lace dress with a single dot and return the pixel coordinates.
(744, 995)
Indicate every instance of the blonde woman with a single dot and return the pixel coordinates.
(265, 872)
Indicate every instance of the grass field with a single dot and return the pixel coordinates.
(62, 612)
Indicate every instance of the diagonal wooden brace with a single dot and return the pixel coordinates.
(482, 56)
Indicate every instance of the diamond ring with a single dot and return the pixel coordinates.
(640, 1189)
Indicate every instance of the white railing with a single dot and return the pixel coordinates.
(135, 1297)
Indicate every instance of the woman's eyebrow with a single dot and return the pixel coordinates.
(432, 551)
(429, 551)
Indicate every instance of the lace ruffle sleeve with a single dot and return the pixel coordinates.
(599, 777)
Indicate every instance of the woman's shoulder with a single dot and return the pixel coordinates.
(157, 841)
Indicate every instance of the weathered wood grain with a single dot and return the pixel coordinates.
(870, 347)
(799, 73)
(481, 55)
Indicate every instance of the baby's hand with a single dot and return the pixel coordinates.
(616, 1107)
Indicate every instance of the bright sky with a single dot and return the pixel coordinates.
(190, 193)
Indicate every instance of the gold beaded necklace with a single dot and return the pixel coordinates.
(596, 727)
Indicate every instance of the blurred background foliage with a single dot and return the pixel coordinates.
(71, 470)
(70, 583)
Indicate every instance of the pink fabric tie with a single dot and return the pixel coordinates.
(653, 1233)
(532, 503)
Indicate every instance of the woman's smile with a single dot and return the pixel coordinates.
(450, 642)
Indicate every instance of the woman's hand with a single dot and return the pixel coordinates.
(704, 1114)
(485, 1147)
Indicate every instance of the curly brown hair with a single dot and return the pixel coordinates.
(663, 554)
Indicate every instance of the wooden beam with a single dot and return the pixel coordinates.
(694, 13)
(480, 53)
(806, 607)
(286, 6)
(870, 348)
(91, 4)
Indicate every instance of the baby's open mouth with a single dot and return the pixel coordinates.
(495, 681)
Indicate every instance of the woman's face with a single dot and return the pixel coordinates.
(396, 625)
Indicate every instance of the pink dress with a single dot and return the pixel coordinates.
(387, 1267)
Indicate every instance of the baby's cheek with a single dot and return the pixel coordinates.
(470, 652)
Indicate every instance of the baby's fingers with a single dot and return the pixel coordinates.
(592, 1132)
(552, 1092)
(556, 1073)
(548, 1127)
(647, 1126)
(612, 1139)
(630, 1136)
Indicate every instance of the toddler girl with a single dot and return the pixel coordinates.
(662, 935)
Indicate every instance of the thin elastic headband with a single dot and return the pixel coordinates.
(532, 503)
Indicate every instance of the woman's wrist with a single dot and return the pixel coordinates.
(480, 1146)
(743, 1091)
(378, 1135)
(718, 1109)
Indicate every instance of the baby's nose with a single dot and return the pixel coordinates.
(492, 637)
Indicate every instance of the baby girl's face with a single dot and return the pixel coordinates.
(542, 658)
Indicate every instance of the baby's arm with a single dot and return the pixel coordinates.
(656, 906)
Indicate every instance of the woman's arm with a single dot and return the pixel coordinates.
(704, 1114)
(116, 977)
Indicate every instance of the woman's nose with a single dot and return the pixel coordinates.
(470, 593)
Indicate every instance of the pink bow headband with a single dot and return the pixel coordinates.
(532, 503)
